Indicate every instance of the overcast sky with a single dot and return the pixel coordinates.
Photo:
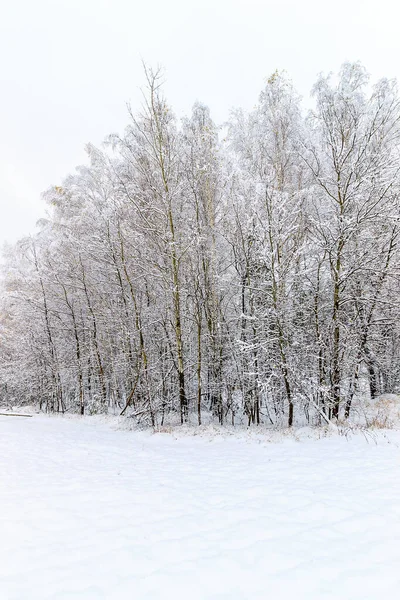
(68, 67)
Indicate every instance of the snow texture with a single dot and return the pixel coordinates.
(90, 513)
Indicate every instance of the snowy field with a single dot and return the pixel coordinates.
(90, 513)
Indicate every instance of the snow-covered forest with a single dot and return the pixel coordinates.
(242, 273)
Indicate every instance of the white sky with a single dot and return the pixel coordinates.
(68, 67)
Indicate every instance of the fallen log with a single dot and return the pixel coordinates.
(13, 415)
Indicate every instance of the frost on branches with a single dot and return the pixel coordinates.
(185, 277)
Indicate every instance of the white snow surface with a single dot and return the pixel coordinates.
(88, 512)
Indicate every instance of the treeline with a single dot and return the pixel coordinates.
(245, 277)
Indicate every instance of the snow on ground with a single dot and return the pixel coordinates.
(90, 513)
